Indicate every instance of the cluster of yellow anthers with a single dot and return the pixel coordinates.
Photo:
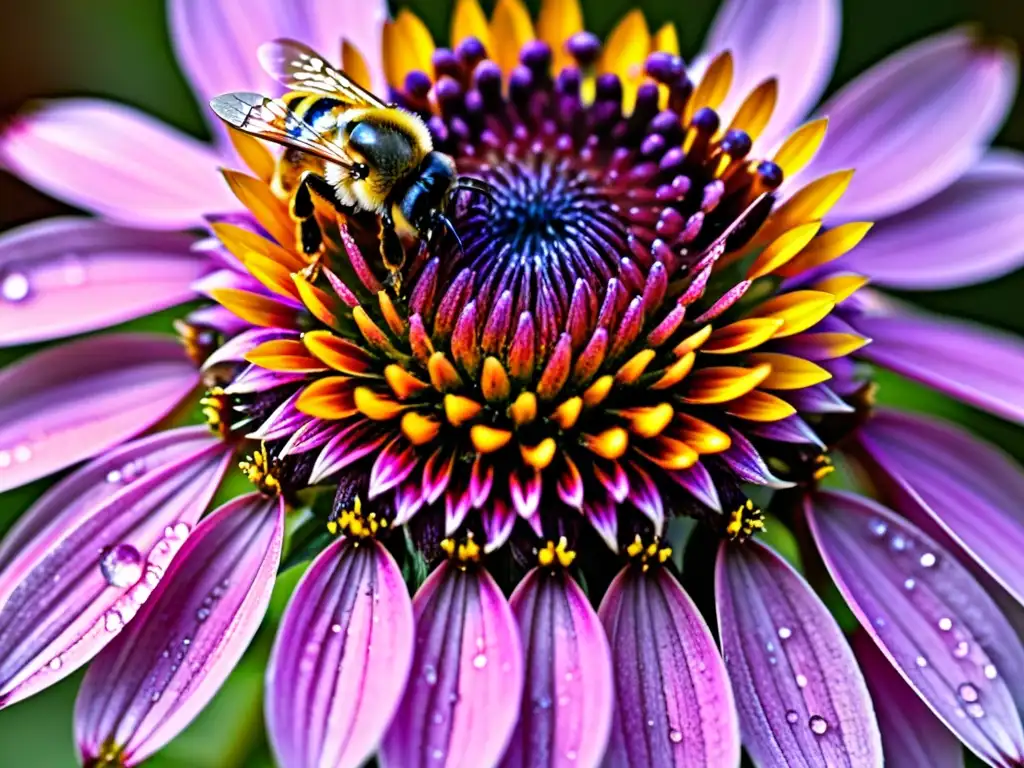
(353, 522)
(215, 406)
(648, 554)
(556, 553)
(462, 552)
(261, 470)
(744, 520)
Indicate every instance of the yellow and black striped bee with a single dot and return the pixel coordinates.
(348, 147)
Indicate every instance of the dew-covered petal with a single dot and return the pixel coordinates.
(65, 276)
(166, 665)
(68, 403)
(930, 617)
(84, 558)
(760, 38)
(115, 161)
(462, 700)
(915, 122)
(970, 362)
(911, 734)
(567, 702)
(341, 658)
(674, 706)
(802, 700)
(970, 232)
(970, 488)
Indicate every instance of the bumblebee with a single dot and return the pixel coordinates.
(346, 146)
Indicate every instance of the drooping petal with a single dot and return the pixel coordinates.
(568, 699)
(117, 162)
(969, 487)
(801, 698)
(760, 36)
(970, 232)
(86, 556)
(915, 122)
(68, 403)
(674, 703)
(970, 362)
(65, 276)
(911, 734)
(341, 658)
(165, 666)
(462, 700)
(930, 617)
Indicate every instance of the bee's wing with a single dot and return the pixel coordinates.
(271, 120)
(300, 68)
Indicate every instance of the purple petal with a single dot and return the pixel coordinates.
(68, 403)
(930, 617)
(802, 700)
(970, 488)
(462, 700)
(117, 162)
(235, 349)
(166, 665)
(341, 658)
(675, 706)
(915, 122)
(970, 232)
(744, 460)
(760, 36)
(87, 554)
(970, 362)
(65, 276)
(567, 703)
(911, 734)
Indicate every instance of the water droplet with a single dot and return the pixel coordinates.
(480, 661)
(909, 584)
(22, 453)
(879, 621)
(430, 674)
(770, 646)
(5, 459)
(203, 614)
(335, 628)
(543, 702)
(801, 681)
(112, 621)
(650, 723)
(121, 565)
(818, 724)
(967, 693)
(921, 661)
(945, 624)
(792, 716)
(772, 660)
(962, 649)
(675, 736)
(563, 700)
(114, 476)
(928, 559)
(155, 697)
(15, 287)
(55, 663)
(898, 543)
(990, 671)
(878, 528)
(438, 717)
(437, 754)
(975, 710)
(785, 633)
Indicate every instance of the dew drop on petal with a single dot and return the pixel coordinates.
(898, 543)
(570, 755)
(121, 565)
(675, 736)
(967, 693)
(878, 528)
(909, 584)
(480, 661)
(14, 287)
(785, 633)
(921, 661)
(335, 628)
(203, 614)
(975, 710)
(55, 663)
(962, 649)
(437, 754)
(818, 724)
(22, 453)
(990, 671)
(430, 674)
(928, 559)
(801, 681)
(792, 716)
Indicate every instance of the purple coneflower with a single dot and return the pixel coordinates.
(645, 326)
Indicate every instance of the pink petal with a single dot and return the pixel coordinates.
(70, 402)
(970, 488)
(341, 658)
(674, 703)
(462, 700)
(161, 671)
(915, 122)
(930, 617)
(801, 698)
(87, 554)
(760, 37)
(970, 232)
(911, 734)
(65, 276)
(117, 162)
(567, 703)
(970, 362)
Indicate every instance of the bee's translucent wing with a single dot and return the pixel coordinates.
(269, 119)
(300, 68)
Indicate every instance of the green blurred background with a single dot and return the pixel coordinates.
(120, 49)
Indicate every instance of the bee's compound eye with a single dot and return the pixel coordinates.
(360, 171)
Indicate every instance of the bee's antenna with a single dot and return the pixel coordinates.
(446, 222)
(470, 184)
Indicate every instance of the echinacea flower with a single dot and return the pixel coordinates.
(650, 319)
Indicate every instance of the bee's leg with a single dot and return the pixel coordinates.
(392, 252)
(303, 210)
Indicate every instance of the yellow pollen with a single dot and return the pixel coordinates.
(215, 405)
(552, 554)
(824, 466)
(462, 553)
(744, 521)
(261, 470)
(648, 554)
(354, 523)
